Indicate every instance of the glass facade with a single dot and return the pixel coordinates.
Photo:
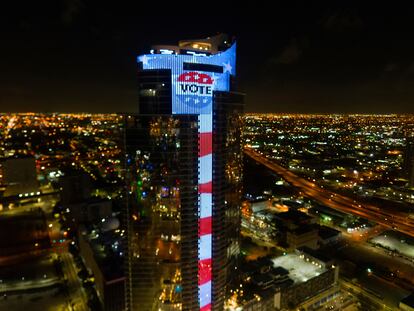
(183, 171)
(227, 188)
(162, 210)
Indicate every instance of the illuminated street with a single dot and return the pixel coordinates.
(396, 221)
(77, 295)
(37, 274)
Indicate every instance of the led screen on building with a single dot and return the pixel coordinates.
(193, 80)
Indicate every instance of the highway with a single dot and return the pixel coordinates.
(397, 221)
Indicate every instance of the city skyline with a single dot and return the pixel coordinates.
(206, 157)
(327, 206)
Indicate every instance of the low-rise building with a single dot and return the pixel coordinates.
(315, 257)
(328, 236)
(303, 236)
(286, 282)
(102, 254)
(18, 175)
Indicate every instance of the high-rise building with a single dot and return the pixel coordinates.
(408, 165)
(184, 173)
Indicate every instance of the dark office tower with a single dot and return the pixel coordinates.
(184, 173)
(408, 166)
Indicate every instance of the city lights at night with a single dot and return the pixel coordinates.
(158, 158)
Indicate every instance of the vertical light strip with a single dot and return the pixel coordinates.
(205, 178)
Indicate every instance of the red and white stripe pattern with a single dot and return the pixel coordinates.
(205, 176)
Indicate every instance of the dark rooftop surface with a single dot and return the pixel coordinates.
(326, 232)
(409, 300)
(314, 253)
(280, 271)
(293, 215)
(305, 229)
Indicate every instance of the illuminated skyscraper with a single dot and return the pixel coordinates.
(184, 171)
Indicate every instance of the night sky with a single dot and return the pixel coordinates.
(324, 56)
